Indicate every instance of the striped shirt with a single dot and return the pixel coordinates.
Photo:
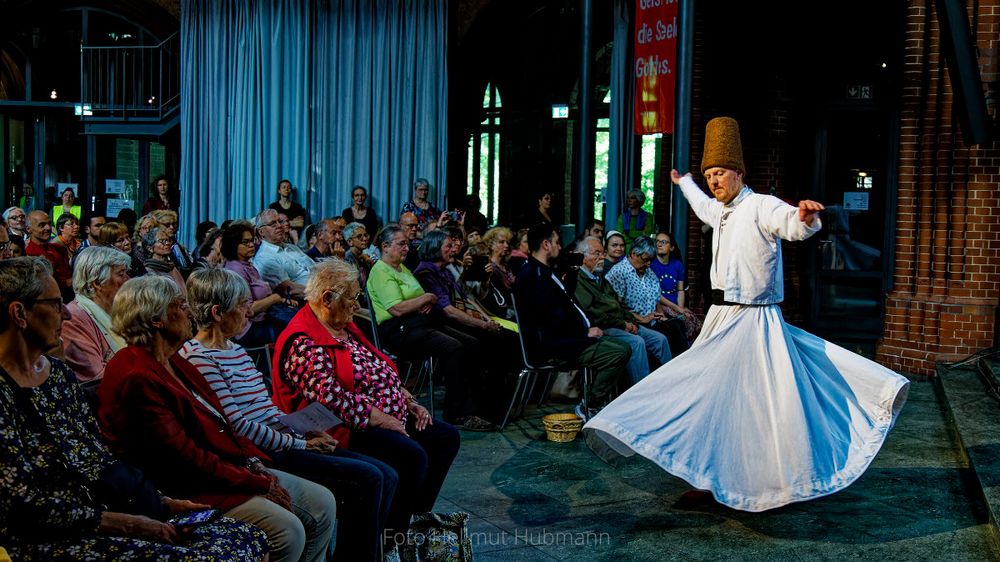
(240, 387)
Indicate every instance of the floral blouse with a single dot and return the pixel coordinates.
(49, 452)
(424, 216)
(376, 384)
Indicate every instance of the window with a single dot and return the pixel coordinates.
(602, 150)
(484, 155)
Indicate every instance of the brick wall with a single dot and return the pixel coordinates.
(945, 282)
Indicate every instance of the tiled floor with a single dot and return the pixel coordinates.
(531, 499)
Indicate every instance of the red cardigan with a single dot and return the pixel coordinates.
(286, 395)
(157, 425)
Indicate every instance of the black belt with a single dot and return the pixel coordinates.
(719, 299)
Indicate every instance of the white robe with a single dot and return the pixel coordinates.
(759, 412)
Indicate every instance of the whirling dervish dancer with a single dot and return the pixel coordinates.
(757, 412)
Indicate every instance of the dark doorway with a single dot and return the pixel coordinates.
(855, 182)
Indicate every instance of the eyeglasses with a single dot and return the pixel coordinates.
(354, 300)
(662, 242)
(246, 242)
(165, 241)
(51, 300)
(16, 218)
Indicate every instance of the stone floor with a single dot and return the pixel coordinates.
(531, 499)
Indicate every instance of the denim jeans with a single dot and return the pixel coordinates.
(647, 341)
(364, 488)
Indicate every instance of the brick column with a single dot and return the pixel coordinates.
(945, 286)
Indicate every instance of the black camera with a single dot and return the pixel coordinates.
(568, 260)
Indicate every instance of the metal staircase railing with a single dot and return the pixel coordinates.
(130, 83)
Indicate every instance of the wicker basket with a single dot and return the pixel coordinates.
(562, 428)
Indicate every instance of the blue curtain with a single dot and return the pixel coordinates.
(623, 149)
(328, 94)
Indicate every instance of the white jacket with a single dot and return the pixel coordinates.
(746, 251)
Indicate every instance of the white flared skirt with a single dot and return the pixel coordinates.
(759, 412)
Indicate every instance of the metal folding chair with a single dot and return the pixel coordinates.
(527, 378)
(256, 354)
(425, 374)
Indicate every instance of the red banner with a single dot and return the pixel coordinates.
(654, 65)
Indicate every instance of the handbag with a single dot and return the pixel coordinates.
(498, 303)
(125, 489)
(438, 537)
(566, 386)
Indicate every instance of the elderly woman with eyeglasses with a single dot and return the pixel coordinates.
(88, 340)
(408, 326)
(168, 221)
(323, 357)
(115, 235)
(220, 300)
(60, 498)
(160, 414)
(67, 232)
(158, 243)
(358, 239)
(270, 310)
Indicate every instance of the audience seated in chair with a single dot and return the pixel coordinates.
(634, 281)
(408, 328)
(158, 413)
(270, 311)
(87, 338)
(604, 310)
(220, 301)
(323, 357)
(550, 315)
(282, 264)
(61, 495)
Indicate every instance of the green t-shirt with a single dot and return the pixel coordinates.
(388, 287)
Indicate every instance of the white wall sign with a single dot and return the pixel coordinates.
(115, 206)
(114, 187)
(856, 200)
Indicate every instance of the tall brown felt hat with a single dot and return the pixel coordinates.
(723, 148)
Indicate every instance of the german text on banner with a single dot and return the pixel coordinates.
(654, 65)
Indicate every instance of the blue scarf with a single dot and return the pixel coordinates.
(640, 222)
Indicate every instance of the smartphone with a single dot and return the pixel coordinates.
(477, 271)
(194, 518)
